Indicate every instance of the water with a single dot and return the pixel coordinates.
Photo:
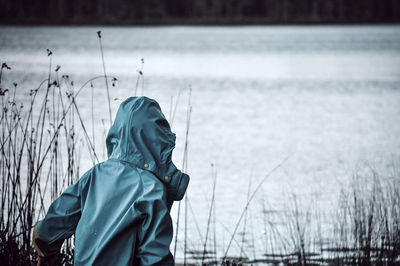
(328, 96)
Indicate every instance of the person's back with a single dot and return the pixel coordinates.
(119, 209)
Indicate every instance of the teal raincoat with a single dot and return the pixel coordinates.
(119, 209)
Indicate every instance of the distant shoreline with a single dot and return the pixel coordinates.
(199, 12)
(201, 24)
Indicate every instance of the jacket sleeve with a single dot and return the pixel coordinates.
(155, 234)
(59, 223)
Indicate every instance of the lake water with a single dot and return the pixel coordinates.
(328, 96)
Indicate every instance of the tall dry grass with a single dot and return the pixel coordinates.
(362, 227)
(41, 141)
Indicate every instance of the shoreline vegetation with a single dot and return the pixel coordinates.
(41, 146)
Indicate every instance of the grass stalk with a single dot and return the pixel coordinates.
(248, 203)
(214, 174)
(184, 162)
(105, 78)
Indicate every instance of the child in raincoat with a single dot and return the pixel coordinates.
(119, 209)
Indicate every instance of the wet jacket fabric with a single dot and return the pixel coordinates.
(119, 209)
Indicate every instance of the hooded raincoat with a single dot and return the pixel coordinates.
(119, 209)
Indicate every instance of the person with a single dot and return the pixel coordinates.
(119, 209)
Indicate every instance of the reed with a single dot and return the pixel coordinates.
(140, 76)
(363, 229)
(40, 156)
(105, 76)
(184, 168)
(210, 215)
(368, 230)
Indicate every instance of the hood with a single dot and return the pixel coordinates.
(141, 135)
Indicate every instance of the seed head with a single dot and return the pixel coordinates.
(4, 65)
(3, 92)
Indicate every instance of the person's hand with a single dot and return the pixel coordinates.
(41, 261)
